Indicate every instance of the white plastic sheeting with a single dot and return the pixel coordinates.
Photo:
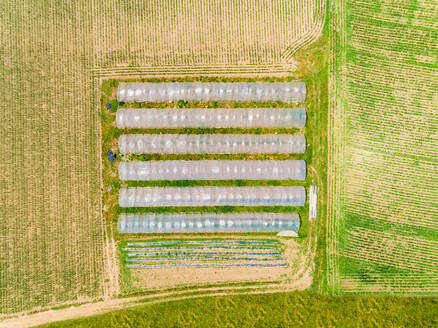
(204, 265)
(213, 170)
(208, 222)
(211, 196)
(212, 143)
(313, 202)
(168, 118)
(198, 91)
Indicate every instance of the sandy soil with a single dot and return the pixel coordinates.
(173, 277)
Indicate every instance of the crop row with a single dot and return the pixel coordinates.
(384, 63)
(178, 33)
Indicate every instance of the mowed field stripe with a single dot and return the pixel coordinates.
(388, 160)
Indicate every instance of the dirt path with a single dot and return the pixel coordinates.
(86, 310)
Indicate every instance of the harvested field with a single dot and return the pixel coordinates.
(52, 236)
(192, 34)
(383, 172)
(54, 57)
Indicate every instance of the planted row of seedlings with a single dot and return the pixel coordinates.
(203, 253)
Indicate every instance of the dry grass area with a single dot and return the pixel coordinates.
(383, 171)
(54, 242)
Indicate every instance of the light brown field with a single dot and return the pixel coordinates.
(55, 247)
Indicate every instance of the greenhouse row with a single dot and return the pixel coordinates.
(212, 143)
(172, 118)
(213, 170)
(208, 222)
(211, 196)
(199, 91)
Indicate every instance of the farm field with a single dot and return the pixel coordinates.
(382, 228)
(198, 37)
(371, 142)
(271, 310)
(202, 262)
(299, 272)
(56, 247)
(52, 232)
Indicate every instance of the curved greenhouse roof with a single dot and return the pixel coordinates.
(199, 91)
(213, 170)
(208, 222)
(211, 196)
(168, 118)
(212, 143)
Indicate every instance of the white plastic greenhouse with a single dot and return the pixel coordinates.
(198, 91)
(211, 196)
(212, 143)
(209, 222)
(171, 118)
(213, 170)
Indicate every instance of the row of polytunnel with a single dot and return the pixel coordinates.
(211, 196)
(213, 170)
(208, 222)
(177, 118)
(212, 143)
(221, 92)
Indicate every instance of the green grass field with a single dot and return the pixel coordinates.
(382, 226)
(298, 309)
